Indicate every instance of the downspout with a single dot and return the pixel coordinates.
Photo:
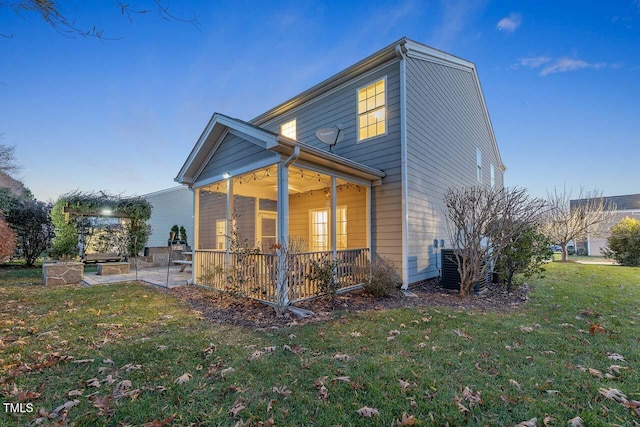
(293, 157)
(400, 52)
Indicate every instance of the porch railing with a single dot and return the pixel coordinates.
(255, 275)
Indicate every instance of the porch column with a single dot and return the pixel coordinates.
(333, 239)
(282, 285)
(229, 225)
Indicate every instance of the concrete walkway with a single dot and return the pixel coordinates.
(156, 276)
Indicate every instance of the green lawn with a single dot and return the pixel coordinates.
(121, 350)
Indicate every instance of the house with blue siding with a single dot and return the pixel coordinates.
(410, 121)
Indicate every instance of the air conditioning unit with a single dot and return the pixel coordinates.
(450, 275)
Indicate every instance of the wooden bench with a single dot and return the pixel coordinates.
(102, 257)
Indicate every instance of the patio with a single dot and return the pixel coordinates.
(156, 276)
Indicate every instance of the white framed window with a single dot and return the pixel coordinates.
(319, 229)
(493, 175)
(479, 163)
(288, 129)
(372, 110)
(221, 234)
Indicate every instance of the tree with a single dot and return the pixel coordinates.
(8, 163)
(566, 221)
(7, 239)
(31, 221)
(524, 255)
(623, 244)
(65, 240)
(53, 13)
(481, 222)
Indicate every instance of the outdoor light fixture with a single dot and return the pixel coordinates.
(226, 175)
(106, 211)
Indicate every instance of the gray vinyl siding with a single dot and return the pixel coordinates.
(232, 153)
(172, 206)
(382, 152)
(446, 124)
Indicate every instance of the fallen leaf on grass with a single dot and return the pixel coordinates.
(83, 361)
(160, 423)
(460, 406)
(93, 382)
(533, 422)
(130, 367)
(547, 421)
(617, 368)
(462, 334)
(237, 407)
(344, 379)
(403, 384)
(473, 397)
(367, 412)
(323, 393)
(393, 333)
(270, 349)
(406, 420)
(576, 422)
(615, 356)
(226, 371)
(526, 329)
(614, 394)
(356, 334)
(73, 393)
(342, 357)
(64, 408)
(514, 383)
(596, 329)
(596, 373)
(183, 378)
(282, 390)
(210, 350)
(102, 404)
(255, 355)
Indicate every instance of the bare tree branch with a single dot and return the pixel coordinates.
(565, 222)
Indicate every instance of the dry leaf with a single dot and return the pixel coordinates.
(323, 393)
(473, 397)
(460, 406)
(210, 350)
(462, 334)
(367, 412)
(344, 379)
(391, 338)
(270, 349)
(237, 407)
(255, 355)
(615, 356)
(617, 368)
(226, 371)
(83, 361)
(515, 384)
(93, 382)
(596, 329)
(183, 378)
(614, 394)
(342, 357)
(73, 393)
(403, 384)
(393, 333)
(548, 420)
(160, 423)
(596, 373)
(64, 408)
(406, 420)
(283, 390)
(576, 422)
(533, 422)
(356, 334)
(526, 329)
(102, 403)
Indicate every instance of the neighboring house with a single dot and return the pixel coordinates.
(413, 122)
(172, 206)
(593, 243)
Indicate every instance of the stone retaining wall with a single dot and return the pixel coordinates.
(105, 269)
(62, 273)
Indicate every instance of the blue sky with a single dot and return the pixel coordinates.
(561, 80)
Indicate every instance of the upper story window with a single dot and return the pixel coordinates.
(479, 163)
(372, 111)
(288, 129)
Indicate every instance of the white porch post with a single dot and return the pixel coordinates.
(282, 285)
(195, 270)
(334, 217)
(229, 225)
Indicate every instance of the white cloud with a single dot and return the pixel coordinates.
(563, 65)
(510, 23)
(560, 65)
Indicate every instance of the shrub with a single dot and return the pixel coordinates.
(383, 278)
(7, 240)
(323, 272)
(623, 245)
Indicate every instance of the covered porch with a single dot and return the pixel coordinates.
(271, 213)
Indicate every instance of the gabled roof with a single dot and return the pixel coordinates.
(219, 124)
(396, 50)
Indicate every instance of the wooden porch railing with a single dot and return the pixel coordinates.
(255, 275)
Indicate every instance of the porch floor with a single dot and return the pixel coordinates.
(156, 276)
